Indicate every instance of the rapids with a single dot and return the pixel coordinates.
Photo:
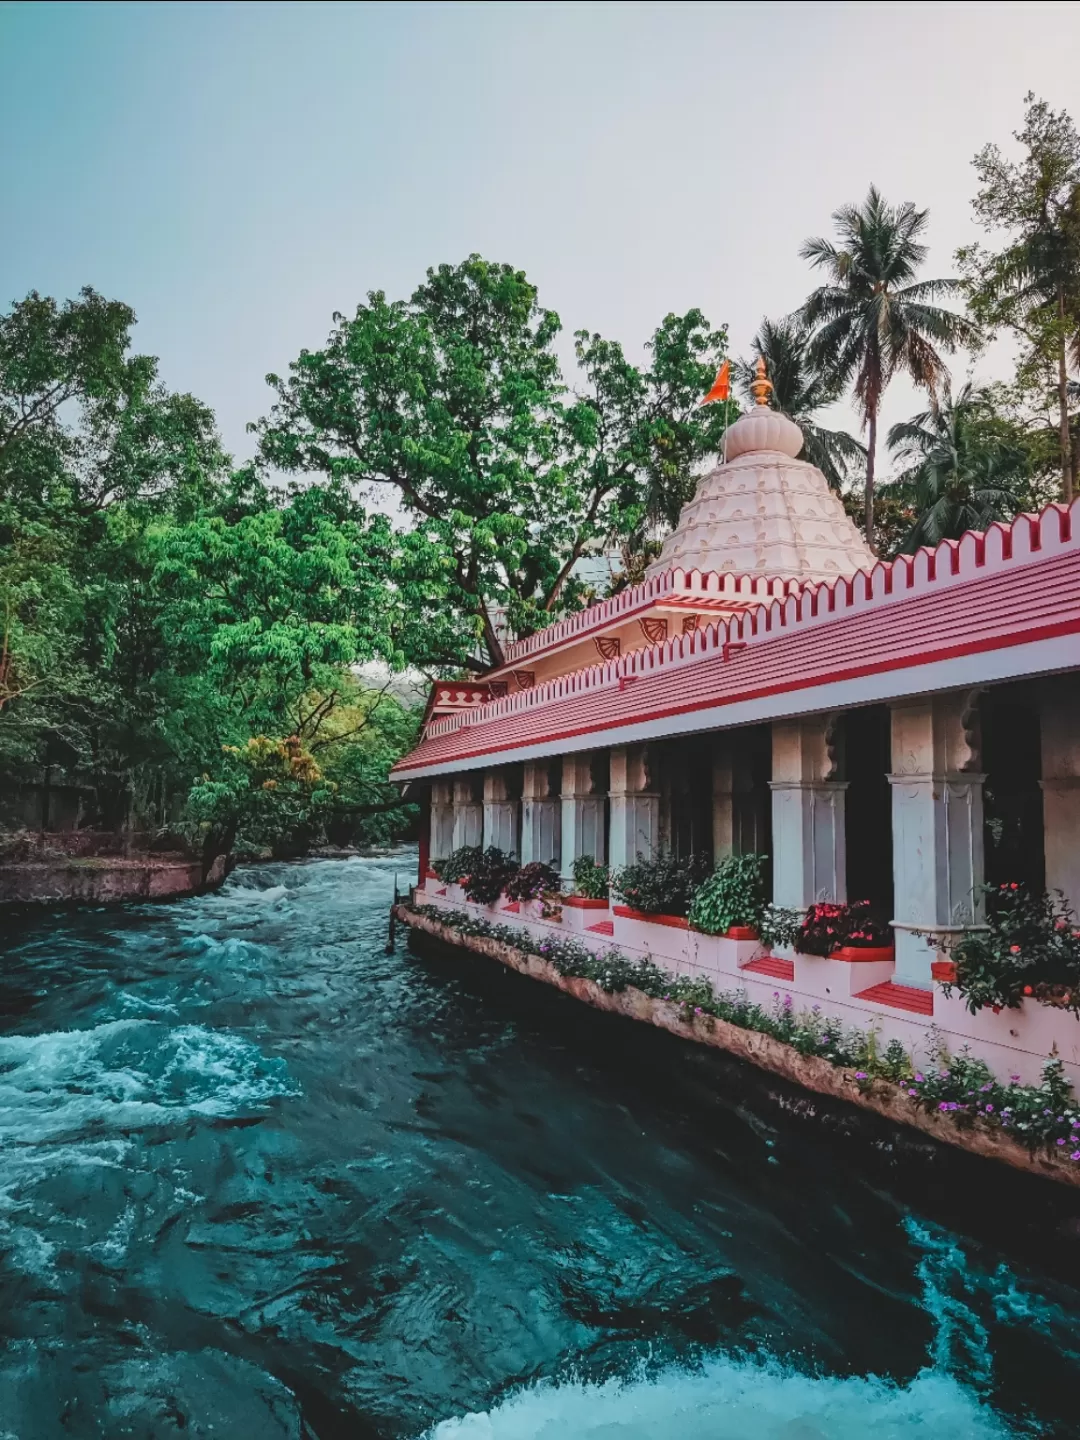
(260, 1179)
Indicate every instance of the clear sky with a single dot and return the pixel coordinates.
(237, 172)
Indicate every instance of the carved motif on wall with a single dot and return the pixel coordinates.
(690, 623)
(833, 739)
(526, 679)
(609, 646)
(971, 724)
(654, 628)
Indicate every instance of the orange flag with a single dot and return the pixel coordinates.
(721, 385)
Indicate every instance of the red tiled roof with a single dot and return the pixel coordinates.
(1014, 585)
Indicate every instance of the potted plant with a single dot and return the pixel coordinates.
(488, 875)
(660, 888)
(591, 885)
(536, 882)
(1029, 949)
(732, 900)
(844, 932)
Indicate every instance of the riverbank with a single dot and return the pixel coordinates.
(884, 1098)
(105, 879)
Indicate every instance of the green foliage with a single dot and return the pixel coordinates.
(454, 402)
(960, 1088)
(830, 926)
(1031, 286)
(533, 881)
(591, 881)
(491, 872)
(662, 884)
(873, 319)
(1031, 949)
(734, 894)
(780, 925)
(967, 467)
(159, 614)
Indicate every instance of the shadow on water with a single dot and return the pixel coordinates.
(258, 1178)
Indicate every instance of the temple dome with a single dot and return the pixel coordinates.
(763, 512)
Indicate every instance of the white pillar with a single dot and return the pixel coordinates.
(541, 817)
(582, 814)
(809, 854)
(500, 812)
(1060, 739)
(635, 806)
(468, 813)
(937, 821)
(442, 819)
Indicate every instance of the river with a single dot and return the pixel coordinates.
(260, 1179)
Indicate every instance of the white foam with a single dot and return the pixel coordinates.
(735, 1399)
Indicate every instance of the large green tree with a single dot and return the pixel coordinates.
(873, 318)
(801, 390)
(1031, 285)
(453, 402)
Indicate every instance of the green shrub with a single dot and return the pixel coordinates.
(459, 864)
(532, 881)
(591, 881)
(661, 885)
(1031, 949)
(489, 875)
(734, 894)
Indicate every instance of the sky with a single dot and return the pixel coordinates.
(238, 172)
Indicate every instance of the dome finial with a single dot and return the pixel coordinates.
(761, 386)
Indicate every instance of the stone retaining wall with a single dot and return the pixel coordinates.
(808, 1071)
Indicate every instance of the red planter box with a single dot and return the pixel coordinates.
(741, 932)
(580, 902)
(944, 970)
(677, 922)
(854, 956)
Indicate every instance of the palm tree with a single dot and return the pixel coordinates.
(873, 319)
(961, 475)
(800, 391)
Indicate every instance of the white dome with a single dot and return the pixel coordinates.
(764, 512)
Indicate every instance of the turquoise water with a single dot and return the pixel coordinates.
(259, 1179)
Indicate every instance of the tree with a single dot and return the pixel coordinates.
(1032, 285)
(800, 390)
(874, 319)
(964, 469)
(454, 402)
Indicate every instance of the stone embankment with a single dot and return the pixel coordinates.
(808, 1071)
(81, 869)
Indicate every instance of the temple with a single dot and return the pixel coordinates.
(900, 732)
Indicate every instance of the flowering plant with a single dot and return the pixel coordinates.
(532, 881)
(489, 875)
(661, 885)
(457, 865)
(1030, 949)
(828, 927)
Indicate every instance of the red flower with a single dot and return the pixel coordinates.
(1014, 949)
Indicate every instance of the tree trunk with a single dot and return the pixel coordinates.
(871, 456)
(1063, 407)
(491, 640)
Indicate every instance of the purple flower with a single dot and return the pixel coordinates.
(989, 1109)
(944, 1105)
(1059, 1142)
(1015, 1079)
(919, 1079)
(1075, 1155)
(913, 1092)
(860, 1074)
